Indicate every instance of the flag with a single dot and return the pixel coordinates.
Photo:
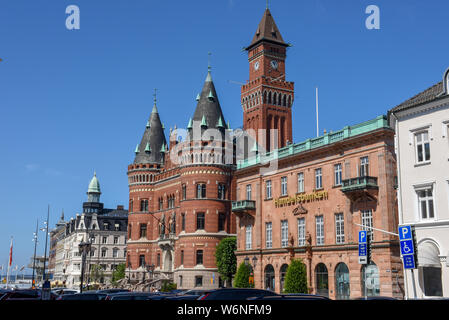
(10, 254)
(22, 268)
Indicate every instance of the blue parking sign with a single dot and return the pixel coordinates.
(362, 236)
(405, 233)
(362, 249)
(407, 247)
(409, 261)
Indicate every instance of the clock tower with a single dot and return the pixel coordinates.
(267, 97)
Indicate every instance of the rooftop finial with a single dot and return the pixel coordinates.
(154, 95)
(208, 63)
(267, 4)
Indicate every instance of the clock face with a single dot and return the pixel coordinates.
(274, 64)
(256, 65)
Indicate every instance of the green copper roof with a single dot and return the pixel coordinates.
(147, 148)
(347, 132)
(163, 148)
(189, 126)
(137, 149)
(211, 96)
(203, 122)
(229, 126)
(94, 185)
(148, 123)
(220, 123)
(198, 97)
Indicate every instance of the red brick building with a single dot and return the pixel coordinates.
(180, 198)
(314, 197)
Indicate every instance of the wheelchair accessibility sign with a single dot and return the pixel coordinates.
(407, 247)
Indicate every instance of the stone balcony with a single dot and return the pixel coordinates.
(359, 187)
(244, 206)
(166, 240)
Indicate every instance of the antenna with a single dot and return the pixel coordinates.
(317, 126)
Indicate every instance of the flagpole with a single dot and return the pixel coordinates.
(9, 265)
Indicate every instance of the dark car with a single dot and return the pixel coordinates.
(184, 297)
(290, 297)
(235, 294)
(130, 296)
(194, 292)
(107, 291)
(25, 294)
(83, 296)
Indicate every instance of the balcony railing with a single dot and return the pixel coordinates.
(359, 183)
(243, 205)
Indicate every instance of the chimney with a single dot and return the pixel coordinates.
(120, 207)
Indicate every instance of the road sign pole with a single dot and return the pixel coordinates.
(413, 282)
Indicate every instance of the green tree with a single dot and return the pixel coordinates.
(242, 277)
(296, 277)
(118, 273)
(96, 273)
(168, 286)
(225, 259)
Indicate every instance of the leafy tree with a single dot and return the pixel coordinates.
(96, 273)
(118, 273)
(242, 277)
(168, 286)
(296, 277)
(225, 258)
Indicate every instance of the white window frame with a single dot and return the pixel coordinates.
(284, 190)
(339, 228)
(248, 192)
(284, 233)
(269, 235)
(319, 229)
(300, 182)
(268, 189)
(364, 166)
(366, 217)
(418, 189)
(338, 174)
(422, 143)
(318, 178)
(301, 232)
(248, 237)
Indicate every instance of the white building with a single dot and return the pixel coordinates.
(422, 147)
(104, 229)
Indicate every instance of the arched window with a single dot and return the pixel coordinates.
(370, 280)
(429, 269)
(342, 281)
(284, 102)
(289, 104)
(269, 278)
(283, 273)
(321, 280)
(269, 97)
(275, 98)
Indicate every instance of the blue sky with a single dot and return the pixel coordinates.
(75, 101)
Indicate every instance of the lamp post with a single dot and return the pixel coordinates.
(84, 248)
(45, 229)
(34, 256)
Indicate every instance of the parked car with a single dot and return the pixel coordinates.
(25, 294)
(375, 298)
(61, 291)
(114, 290)
(292, 296)
(130, 296)
(83, 296)
(194, 292)
(235, 294)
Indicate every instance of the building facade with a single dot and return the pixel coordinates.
(106, 232)
(422, 146)
(55, 262)
(309, 200)
(180, 198)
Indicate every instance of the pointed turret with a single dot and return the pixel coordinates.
(93, 191)
(208, 113)
(268, 31)
(152, 141)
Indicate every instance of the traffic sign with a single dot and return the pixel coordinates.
(405, 233)
(409, 261)
(407, 247)
(362, 236)
(363, 259)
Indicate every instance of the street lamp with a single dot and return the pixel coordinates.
(246, 260)
(34, 256)
(84, 248)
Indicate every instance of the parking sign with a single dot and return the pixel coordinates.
(362, 247)
(407, 247)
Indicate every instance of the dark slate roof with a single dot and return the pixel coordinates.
(267, 30)
(153, 137)
(429, 95)
(208, 107)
